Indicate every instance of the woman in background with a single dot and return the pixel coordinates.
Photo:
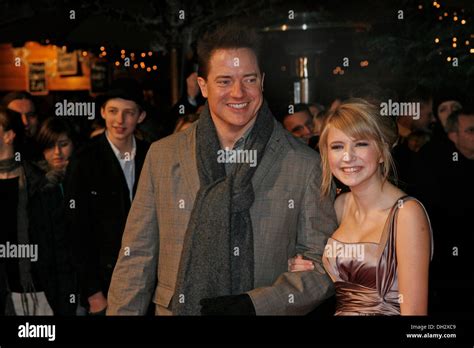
(24, 284)
(43, 282)
(57, 140)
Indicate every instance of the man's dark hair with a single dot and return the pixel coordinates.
(7, 99)
(298, 108)
(452, 122)
(233, 35)
(322, 115)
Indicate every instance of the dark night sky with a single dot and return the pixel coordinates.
(400, 52)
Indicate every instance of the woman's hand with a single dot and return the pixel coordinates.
(298, 264)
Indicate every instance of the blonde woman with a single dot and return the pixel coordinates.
(378, 257)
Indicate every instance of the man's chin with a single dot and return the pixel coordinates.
(240, 125)
(240, 120)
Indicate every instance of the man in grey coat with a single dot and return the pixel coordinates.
(223, 205)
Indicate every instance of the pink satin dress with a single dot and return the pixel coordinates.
(365, 274)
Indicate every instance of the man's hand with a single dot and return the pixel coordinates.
(228, 305)
(97, 303)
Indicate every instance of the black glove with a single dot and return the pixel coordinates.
(228, 305)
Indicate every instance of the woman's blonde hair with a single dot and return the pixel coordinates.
(359, 119)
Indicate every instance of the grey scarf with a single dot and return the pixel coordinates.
(217, 257)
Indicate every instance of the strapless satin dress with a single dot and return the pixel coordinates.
(365, 274)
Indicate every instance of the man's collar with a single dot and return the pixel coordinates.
(117, 152)
(243, 139)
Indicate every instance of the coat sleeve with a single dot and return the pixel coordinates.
(298, 293)
(134, 277)
(80, 226)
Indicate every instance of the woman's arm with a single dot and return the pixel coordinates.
(413, 248)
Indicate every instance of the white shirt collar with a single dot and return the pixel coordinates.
(117, 152)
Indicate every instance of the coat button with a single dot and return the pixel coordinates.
(109, 265)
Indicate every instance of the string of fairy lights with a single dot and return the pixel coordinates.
(452, 42)
(138, 61)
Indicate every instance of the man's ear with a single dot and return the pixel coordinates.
(141, 117)
(203, 86)
(102, 112)
(263, 79)
(8, 137)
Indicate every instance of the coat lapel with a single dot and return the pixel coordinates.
(272, 151)
(113, 167)
(142, 149)
(187, 161)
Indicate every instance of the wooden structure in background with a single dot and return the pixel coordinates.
(14, 68)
